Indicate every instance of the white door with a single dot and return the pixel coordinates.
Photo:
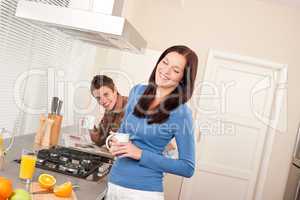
(235, 111)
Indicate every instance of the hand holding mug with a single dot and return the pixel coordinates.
(122, 147)
(121, 138)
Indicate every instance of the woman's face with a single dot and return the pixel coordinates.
(170, 70)
(106, 97)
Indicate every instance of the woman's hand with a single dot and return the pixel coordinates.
(125, 150)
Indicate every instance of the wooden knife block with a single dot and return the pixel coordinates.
(55, 131)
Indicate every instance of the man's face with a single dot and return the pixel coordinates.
(106, 97)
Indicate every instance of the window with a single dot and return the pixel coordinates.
(26, 47)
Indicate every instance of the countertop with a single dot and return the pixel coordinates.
(88, 190)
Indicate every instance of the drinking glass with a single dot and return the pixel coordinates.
(27, 166)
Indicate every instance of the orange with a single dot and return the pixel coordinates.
(46, 181)
(64, 190)
(6, 188)
(2, 198)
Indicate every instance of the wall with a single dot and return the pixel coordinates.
(259, 29)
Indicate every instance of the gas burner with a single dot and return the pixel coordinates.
(85, 162)
(73, 162)
(63, 159)
(72, 170)
(50, 165)
(62, 168)
(54, 155)
(72, 165)
(66, 154)
(43, 154)
(40, 161)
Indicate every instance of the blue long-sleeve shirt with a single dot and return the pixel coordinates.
(147, 173)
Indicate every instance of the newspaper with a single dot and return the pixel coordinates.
(83, 143)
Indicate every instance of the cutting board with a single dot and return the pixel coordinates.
(50, 196)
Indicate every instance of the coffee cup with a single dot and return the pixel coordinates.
(120, 137)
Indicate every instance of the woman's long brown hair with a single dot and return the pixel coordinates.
(180, 95)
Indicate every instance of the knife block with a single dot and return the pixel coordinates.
(55, 131)
(45, 143)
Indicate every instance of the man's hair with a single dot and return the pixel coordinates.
(100, 81)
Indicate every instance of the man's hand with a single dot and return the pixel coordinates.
(94, 134)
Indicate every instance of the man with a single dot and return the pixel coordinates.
(105, 92)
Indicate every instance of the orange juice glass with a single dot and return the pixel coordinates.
(27, 167)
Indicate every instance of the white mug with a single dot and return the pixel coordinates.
(88, 122)
(120, 137)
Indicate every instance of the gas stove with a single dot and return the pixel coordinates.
(74, 163)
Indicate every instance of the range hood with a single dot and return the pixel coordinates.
(95, 23)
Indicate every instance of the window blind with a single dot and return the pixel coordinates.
(23, 47)
(62, 3)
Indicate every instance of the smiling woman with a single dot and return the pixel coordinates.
(173, 77)
(156, 113)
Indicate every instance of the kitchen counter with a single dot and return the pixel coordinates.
(88, 190)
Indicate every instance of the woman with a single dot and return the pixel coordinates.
(155, 114)
(105, 92)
